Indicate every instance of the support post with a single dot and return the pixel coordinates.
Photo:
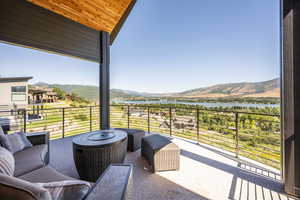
(63, 122)
(290, 97)
(148, 111)
(25, 120)
(91, 119)
(237, 149)
(128, 116)
(198, 125)
(104, 80)
(170, 114)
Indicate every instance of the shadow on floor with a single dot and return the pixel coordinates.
(245, 184)
(244, 164)
(243, 189)
(236, 171)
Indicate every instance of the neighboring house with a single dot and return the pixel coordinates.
(39, 95)
(14, 92)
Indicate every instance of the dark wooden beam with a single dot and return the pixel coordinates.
(291, 97)
(104, 80)
(121, 22)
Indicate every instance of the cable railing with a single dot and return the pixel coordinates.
(60, 122)
(251, 135)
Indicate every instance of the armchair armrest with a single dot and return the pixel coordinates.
(114, 184)
(38, 138)
(18, 189)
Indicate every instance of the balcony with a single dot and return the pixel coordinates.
(218, 159)
(205, 173)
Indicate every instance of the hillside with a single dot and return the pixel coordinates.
(90, 92)
(269, 88)
(86, 91)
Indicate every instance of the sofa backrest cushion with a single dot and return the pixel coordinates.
(18, 142)
(17, 189)
(4, 142)
(69, 189)
(7, 162)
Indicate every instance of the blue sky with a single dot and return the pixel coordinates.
(171, 45)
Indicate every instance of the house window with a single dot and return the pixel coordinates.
(18, 93)
(18, 89)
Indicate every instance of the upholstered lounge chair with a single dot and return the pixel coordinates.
(31, 169)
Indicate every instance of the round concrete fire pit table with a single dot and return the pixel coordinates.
(93, 152)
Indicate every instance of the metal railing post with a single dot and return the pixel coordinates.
(63, 122)
(91, 118)
(197, 121)
(25, 120)
(237, 135)
(148, 110)
(170, 114)
(128, 116)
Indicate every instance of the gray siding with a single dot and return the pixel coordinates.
(26, 24)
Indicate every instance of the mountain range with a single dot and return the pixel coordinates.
(270, 88)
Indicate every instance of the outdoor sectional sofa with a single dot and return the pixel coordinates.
(31, 168)
(134, 138)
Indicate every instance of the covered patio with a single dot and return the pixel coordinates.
(86, 29)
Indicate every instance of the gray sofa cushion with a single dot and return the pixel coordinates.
(18, 142)
(30, 159)
(7, 162)
(75, 190)
(12, 188)
(45, 175)
(4, 142)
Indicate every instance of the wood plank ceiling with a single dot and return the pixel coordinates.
(101, 15)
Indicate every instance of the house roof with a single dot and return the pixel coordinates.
(15, 79)
(101, 15)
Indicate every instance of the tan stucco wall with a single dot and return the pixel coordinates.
(5, 93)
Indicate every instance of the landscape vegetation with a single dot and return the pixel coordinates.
(251, 132)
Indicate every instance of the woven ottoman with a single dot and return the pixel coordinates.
(134, 138)
(160, 152)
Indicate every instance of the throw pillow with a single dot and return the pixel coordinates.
(7, 162)
(18, 142)
(4, 142)
(75, 190)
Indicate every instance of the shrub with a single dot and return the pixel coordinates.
(81, 117)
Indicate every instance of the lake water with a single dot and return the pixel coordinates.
(206, 104)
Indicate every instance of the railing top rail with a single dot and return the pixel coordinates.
(197, 108)
(57, 108)
(158, 106)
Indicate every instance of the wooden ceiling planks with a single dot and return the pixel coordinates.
(101, 15)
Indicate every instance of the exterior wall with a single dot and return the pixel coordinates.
(6, 94)
(26, 24)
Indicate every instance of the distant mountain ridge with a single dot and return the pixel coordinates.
(269, 88)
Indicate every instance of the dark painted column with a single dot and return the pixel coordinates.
(104, 80)
(291, 97)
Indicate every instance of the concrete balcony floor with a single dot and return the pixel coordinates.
(206, 173)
